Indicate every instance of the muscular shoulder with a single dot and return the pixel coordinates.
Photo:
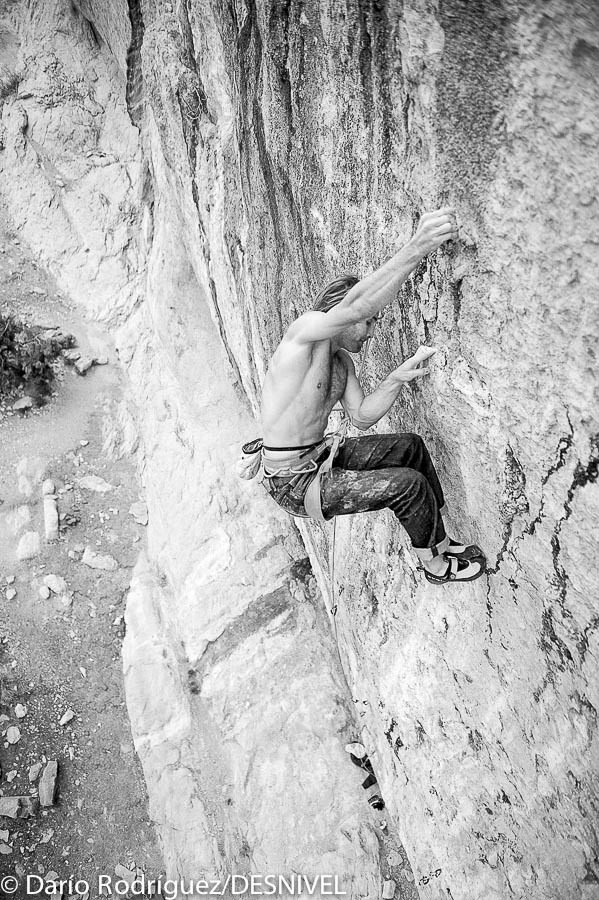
(294, 346)
(300, 330)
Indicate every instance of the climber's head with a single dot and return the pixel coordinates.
(353, 337)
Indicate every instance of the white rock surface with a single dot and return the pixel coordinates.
(294, 147)
(18, 518)
(13, 734)
(95, 483)
(50, 517)
(28, 546)
(23, 404)
(99, 560)
(32, 467)
(139, 511)
(24, 485)
(83, 364)
(66, 717)
(55, 583)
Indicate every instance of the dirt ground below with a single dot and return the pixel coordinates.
(61, 683)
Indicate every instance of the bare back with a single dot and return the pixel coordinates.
(302, 385)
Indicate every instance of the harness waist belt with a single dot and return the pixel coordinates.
(305, 463)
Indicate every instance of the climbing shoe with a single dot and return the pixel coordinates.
(458, 570)
(357, 754)
(464, 551)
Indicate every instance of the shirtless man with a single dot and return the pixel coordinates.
(311, 370)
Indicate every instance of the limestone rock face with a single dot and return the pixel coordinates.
(267, 147)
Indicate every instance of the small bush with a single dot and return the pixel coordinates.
(25, 357)
(9, 82)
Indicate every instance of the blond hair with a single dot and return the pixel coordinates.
(334, 292)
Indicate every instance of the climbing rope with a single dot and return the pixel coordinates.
(342, 429)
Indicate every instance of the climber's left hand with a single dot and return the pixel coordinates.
(409, 369)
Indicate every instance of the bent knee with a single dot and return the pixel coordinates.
(416, 481)
(415, 440)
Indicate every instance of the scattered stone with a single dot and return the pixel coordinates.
(128, 875)
(47, 785)
(67, 717)
(84, 443)
(5, 849)
(69, 519)
(389, 889)
(56, 583)
(46, 835)
(33, 467)
(11, 594)
(29, 545)
(10, 579)
(101, 360)
(48, 486)
(24, 485)
(83, 364)
(13, 734)
(71, 355)
(4, 834)
(10, 776)
(95, 483)
(44, 592)
(66, 600)
(139, 511)
(20, 711)
(99, 561)
(23, 404)
(18, 807)
(34, 771)
(50, 517)
(18, 518)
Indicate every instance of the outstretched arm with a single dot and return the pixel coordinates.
(370, 295)
(365, 411)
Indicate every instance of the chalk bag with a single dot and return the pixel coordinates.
(248, 463)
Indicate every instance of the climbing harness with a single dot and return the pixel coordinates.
(343, 425)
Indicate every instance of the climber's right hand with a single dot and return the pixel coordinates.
(435, 228)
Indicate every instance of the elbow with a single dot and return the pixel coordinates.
(361, 424)
(354, 306)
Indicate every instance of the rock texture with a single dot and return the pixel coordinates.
(266, 146)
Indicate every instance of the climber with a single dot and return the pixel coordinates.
(309, 473)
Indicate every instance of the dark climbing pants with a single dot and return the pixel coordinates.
(392, 471)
